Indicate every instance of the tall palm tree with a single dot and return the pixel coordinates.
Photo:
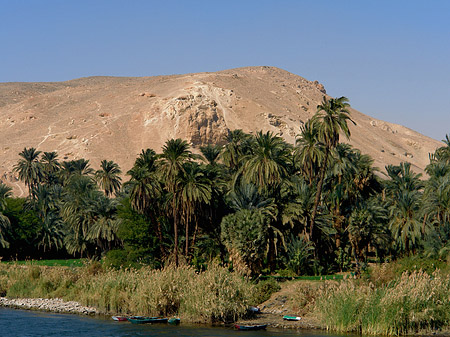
(29, 168)
(78, 211)
(403, 194)
(309, 151)
(238, 143)
(331, 119)
(175, 154)
(50, 166)
(108, 177)
(269, 163)
(5, 193)
(146, 190)
(195, 191)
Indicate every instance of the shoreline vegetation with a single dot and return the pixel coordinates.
(379, 303)
(198, 297)
(194, 235)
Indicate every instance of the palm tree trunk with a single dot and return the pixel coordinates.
(175, 229)
(318, 194)
(194, 237)
(271, 252)
(187, 238)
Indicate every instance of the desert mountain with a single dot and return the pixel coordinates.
(115, 118)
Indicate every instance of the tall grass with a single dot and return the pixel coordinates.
(212, 295)
(415, 302)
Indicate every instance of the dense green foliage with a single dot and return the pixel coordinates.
(255, 202)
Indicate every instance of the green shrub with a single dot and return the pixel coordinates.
(265, 289)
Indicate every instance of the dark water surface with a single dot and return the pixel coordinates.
(34, 324)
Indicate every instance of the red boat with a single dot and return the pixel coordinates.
(120, 318)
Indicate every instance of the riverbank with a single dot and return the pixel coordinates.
(57, 305)
(215, 295)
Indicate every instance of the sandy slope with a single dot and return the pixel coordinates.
(115, 118)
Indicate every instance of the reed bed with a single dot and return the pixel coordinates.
(213, 295)
(415, 302)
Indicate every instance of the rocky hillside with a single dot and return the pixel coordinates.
(115, 118)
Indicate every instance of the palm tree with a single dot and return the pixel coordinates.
(269, 163)
(29, 168)
(367, 227)
(331, 119)
(79, 167)
(246, 196)
(404, 214)
(146, 189)
(403, 194)
(195, 191)
(51, 233)
(309, 151)
(106, 224)
(78, 211)
(5, 193)
(175, 154)
(238, 143)
(108, 177)
(50, 166)
(436, 200)
(442, 154)
(211, 153)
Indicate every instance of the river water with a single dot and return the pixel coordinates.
(26, 323)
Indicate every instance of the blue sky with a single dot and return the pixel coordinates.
(390, 58)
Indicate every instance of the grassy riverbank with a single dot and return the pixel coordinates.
(213, 295)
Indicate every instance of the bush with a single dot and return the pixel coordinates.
(265, 289)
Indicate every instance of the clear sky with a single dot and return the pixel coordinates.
(390, 58)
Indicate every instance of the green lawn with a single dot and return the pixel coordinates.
(66, 263)
(310, 278)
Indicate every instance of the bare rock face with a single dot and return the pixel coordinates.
(198, 115)
(115, 118)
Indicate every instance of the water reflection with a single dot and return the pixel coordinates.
(25, 323)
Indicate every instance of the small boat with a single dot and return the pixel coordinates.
(120, 318)
(251, 327)
(291, 318)
(174, 321)
(144, 319)
(255, 309)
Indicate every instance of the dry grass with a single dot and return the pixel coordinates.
(414, 302)
(213, 295)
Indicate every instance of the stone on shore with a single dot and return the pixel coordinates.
(48, 304)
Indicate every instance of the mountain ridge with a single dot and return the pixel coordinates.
(114, 118)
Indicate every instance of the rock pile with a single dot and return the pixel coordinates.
(45, 304)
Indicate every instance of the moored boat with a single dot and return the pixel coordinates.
(140, 319)
(120, 318)
(174, 321)
(251, 327)
(291, 318)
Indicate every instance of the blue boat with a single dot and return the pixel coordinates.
(250, 327)
(144, 320)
